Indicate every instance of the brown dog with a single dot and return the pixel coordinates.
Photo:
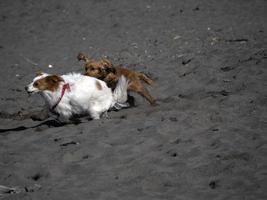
(104, 70)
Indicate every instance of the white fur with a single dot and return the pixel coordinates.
(84, 97)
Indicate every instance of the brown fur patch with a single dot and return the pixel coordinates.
(50, 83)
(98, 85)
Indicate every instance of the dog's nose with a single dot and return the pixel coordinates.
(26, 88)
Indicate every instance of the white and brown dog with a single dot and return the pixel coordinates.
(76, 94)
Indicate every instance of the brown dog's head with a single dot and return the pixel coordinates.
(96, 68)
(99, 69)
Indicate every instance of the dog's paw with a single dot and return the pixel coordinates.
(105, 115)
(119, 106)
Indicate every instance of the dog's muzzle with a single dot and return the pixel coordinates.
(27, 89)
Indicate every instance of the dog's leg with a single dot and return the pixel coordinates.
(130, 101)
(143, 92)
(119, 106)
(105, 115)
(95, 114)
(144, 78)
(63, 119)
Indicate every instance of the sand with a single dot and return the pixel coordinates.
(205, 140)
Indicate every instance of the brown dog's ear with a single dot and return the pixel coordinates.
(82, 56)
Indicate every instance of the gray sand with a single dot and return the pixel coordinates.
(205, 140)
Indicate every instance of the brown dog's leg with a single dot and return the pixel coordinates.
(144, 78)
(137, 87)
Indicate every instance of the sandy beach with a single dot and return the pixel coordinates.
(206, 138)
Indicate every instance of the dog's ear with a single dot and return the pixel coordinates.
(82, 56)
(54, 79)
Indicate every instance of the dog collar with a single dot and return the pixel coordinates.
(64, 88)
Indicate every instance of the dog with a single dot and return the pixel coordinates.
(104, 70)
(75, 94)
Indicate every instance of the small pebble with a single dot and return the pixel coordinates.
(177, 37)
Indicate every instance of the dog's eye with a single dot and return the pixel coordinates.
(35, 84)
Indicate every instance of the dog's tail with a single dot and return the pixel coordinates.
(144, 78)
(120, 93)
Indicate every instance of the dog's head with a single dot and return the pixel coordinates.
(99, 69)
(43, 82)
(96, 68)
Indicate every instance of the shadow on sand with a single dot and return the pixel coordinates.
(48, 123)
